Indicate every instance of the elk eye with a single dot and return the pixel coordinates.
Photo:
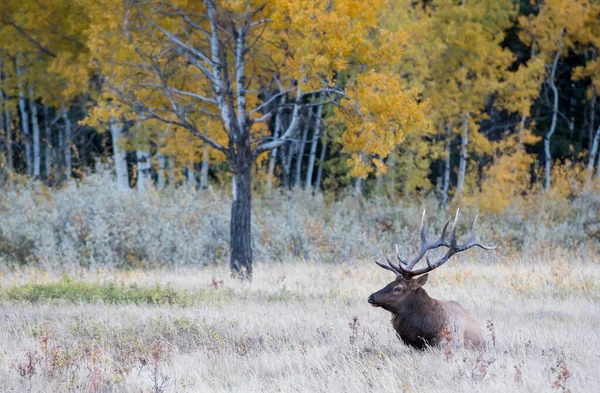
(396, 289)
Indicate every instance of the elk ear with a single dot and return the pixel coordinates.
(419, 282)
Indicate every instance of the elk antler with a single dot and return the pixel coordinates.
(452, 245)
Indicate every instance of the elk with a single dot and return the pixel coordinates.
(418, 319)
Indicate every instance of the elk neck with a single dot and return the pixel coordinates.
(419, 319)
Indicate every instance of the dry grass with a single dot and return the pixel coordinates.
(307, 327)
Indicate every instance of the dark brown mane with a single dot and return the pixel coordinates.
(419, 320)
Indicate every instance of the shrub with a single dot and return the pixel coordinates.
(91, 224)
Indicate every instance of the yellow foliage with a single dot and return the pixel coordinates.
(387, 110)
(509, 177)
(568, 179)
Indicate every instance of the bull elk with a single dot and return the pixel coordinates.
(418, 319)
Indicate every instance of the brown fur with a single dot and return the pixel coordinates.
(422, 321)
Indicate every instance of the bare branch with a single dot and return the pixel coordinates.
(182, 92)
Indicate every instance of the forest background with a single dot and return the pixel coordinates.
(114, 114)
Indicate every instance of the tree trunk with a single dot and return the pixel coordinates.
(171, 165)
(273, 153)
(301, 148)
(521, 144)
(67, 144)
(240, 261)
(592, 127)
(48, 147)
(548, 136)
(24, 120)
(161, 171)
(592, 159)
(61, 147)
(3, 147)
(204, 169)
(119, 155)
(8, 141)
(320, 167)
(144, 170)
(391, 173)
(313, 147)
(287, 163)
(35, 125)
(447, 166)
(378, 178)
(358, 186)
(462, 167)
(190, 176)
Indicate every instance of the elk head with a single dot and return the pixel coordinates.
(394, 296)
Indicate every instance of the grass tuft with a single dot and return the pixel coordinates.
(89, 292)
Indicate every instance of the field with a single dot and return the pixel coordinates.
(298, 327)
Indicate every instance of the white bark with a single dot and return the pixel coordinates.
(313, 147)
(144, 170)
(204, 169)
(291, 129)
(273, 153)
(548, 136)
(320, 168)
(37, 154)
(190, 176)
(217, 78)
(161, 170)
(48, 147)
(24, 120)
(171, 165)
(462, 166)
(357, 186)
(593, 154)
(240, 66)
(119, 155)
(67, 143)
(447, 166)
(8, 136)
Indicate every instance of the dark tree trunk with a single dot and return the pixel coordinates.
(240, 261)
(286, 153)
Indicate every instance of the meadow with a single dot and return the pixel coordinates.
(89, 301)
(298, 327)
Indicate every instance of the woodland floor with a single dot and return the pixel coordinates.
(298, 327)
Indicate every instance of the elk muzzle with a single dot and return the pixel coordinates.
(371, 301)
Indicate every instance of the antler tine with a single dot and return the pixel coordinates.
(399, 270)
(425, 246)
(396, 268)
(423, 230)
(454, 248)
(402, 261)
(474, 241)
(386, 267)
(443, 237)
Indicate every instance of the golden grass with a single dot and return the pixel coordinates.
(302, 327)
